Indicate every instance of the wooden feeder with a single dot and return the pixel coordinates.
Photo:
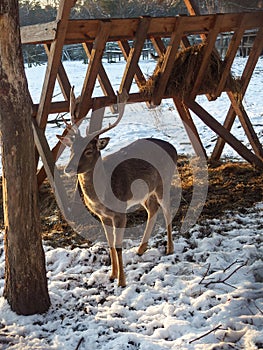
(130, 36)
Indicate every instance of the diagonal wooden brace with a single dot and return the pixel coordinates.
(224, 133)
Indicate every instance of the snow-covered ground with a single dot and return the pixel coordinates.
(208, 295)
(213, 283)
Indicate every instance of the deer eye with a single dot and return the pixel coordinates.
(88, 152)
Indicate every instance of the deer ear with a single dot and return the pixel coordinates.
(102, 143)
(65, 140)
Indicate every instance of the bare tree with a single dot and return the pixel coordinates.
(25, 273)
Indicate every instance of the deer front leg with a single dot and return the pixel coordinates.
(108, 228)
(114, 264)
(170, 243)
(119, 227)
(121, 274)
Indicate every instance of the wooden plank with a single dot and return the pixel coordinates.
(167, 64)
(158, 45)
(51, 170)
(220, 143)
(79, 31)
(255, 52)
(245, 79)
(103, 79)
(53, 62)
(124, 29)
(39, 33)
(55, 153)
(61, 77)
(93, 69)
(230, 56)
(139, 76)
(246, 124)
(209, 46)
(134, 54)
(190, 127)
(224, 133)
(125, 48)
(192, 7)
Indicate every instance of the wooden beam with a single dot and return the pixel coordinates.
(255, 52)
(168, 62)
(220, 143)
(93, 69)
(209, 46)
(230, 56)
(134, 54)
(53, 62)
(192, 7)
(125, 48)
(79, 31)
(158, 45)
(246, 124)
(61, 77)
(51, 170)
(53, 154)
(225, 134)
(103, 79)
(246, 76)
(182, 109)
(39, 33)
(190, 127)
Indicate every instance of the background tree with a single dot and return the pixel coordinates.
(25, 274)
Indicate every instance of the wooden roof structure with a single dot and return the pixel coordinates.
(130, 35)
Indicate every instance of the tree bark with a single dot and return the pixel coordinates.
(25, 274)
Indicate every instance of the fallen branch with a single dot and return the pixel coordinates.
(258, 308)
(207, 333)
(79, 343)
(206, 273)
(233, 263)
(225, 279)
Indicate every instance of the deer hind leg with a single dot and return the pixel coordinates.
(151, 205)
(165, 204)
(119, 227)
(108, 228)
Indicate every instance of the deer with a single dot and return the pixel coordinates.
(114, 183)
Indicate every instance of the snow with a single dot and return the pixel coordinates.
(207, 295)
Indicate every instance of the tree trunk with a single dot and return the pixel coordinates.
(25, 273)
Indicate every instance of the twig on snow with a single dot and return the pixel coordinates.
(233, 263)
(258, 308)
(79, 343)
(226, 278)
(206, 273)
(207, 333)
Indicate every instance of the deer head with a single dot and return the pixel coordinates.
(85, 151)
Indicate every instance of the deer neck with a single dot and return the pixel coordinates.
(93, 182)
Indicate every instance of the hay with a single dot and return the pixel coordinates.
(184, 73)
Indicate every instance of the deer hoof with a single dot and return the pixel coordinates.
(112, 277)
(122, 283)
(142, 248)
(169, 250)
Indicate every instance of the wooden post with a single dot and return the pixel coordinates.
(54, 59)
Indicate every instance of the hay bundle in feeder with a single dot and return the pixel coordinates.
(184, 73)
